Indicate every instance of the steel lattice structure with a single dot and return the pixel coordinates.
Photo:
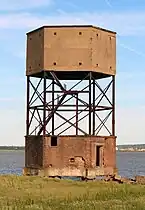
(52, 105)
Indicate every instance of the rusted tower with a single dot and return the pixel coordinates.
(63, 124)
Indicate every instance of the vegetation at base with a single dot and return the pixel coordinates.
(19, 192)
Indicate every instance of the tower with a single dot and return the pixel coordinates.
(64, 67)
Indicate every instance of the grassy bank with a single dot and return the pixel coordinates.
(42, 193)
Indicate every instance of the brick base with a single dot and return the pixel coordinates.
(71, 155)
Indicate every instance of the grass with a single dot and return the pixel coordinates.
(18, 192)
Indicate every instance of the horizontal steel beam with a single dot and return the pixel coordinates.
(74, 110)
(67, 92)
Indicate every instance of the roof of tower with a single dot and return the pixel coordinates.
(71, 26)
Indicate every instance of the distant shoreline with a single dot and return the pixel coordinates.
(129, 151)
(18, 150)
(22, 150)
(119, 148)
(12, 148)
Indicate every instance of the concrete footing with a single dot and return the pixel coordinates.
(69, 172)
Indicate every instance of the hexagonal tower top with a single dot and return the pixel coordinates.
(71, 51)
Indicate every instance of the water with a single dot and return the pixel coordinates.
(11, 162)
(129, 164)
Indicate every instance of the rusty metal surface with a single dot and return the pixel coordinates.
(42, 111)
(70, 49)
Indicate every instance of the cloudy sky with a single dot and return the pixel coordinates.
(126, 17)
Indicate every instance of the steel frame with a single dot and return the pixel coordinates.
(51, 108)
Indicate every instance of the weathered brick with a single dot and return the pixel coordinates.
(40, 154)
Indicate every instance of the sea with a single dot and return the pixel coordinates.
(129, 164)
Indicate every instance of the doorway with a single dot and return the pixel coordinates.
(98, 156)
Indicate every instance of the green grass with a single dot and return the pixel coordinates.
(18, 192)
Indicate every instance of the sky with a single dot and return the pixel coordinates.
(126, 17)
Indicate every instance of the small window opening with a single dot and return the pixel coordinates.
(55, 33)
(80, 33)
(110, 67)
(97, 64)
(98, 153)
(97, 35)
(54, 63)
(72, 160)
(53, 141)
(80, 63)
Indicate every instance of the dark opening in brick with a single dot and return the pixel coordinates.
(53, 141)
(72, 160)
(80, 33)
(54, 63)
(55, 33)
(80, 63)
(98, 155)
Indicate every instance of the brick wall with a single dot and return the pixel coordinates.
(34, 151)
(110, 152)
(39, 152)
